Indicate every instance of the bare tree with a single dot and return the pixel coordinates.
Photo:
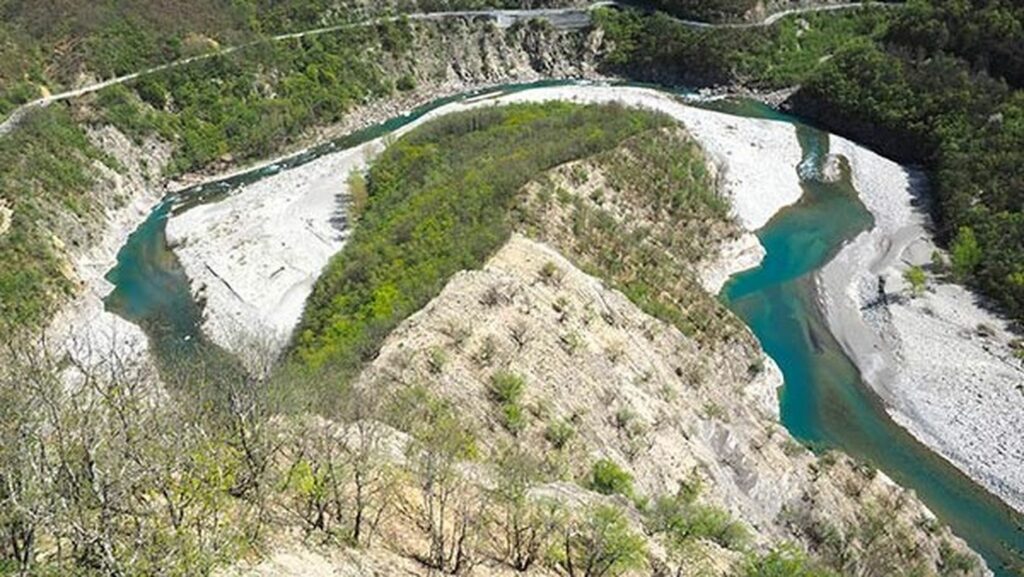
(448, 506)
(522, 527)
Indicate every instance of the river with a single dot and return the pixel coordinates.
(824, 402)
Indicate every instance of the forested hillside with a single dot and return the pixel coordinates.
(937, 83)
(415, 234)
(49, 46)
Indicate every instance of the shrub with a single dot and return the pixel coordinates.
(916, 278)
(783, 561)
(966, 253)
(607, 478)
(513, 418)
(601, 544)
(507, 387)
(559, 432)
(682, 520)
(406, 83)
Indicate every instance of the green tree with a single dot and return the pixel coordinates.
(966, 253)
(916, 277)
(783, 561)
(682, 520)
(600, 544)
(522, 527)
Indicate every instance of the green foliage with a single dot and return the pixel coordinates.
(358, 194)
(784, 561)
(513, 418)
(682, 520)
(435, 426)
(405, 83)
(955, 562)
(507, 387)
(416, 233)
(17, 94)
(915, 276)
(655, 47)
(965, 252)
(559, 432)
(607, 478)
(507, 390)
(706, 10)
(44, 179)
(661, 178)
(937, 83)
(601, 544)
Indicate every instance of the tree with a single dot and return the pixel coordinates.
(523, 527)
(448, 506)
(108, 472)
(966, 253)
(340, 481)
(916, 277)
(681, 519)
(783, 561)
(600, 544)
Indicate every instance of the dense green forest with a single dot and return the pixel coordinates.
(936, 83)
(248, 112)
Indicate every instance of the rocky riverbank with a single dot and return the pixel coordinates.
(941, 362)
(84, 328)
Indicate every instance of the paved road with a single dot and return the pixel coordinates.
(563, 18)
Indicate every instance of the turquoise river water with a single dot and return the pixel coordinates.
(824, 402)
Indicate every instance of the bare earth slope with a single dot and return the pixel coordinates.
(688, 414)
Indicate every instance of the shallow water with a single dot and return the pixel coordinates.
(824, 402)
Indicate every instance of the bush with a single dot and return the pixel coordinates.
(682, 520)
(965, 252)
(406, 83)
(916, 278)
(607, 478)
(559, 432)
(506, 387)
(783, 561)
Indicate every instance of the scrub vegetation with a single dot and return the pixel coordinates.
(44, 179)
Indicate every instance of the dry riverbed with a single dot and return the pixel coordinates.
(941, 363)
